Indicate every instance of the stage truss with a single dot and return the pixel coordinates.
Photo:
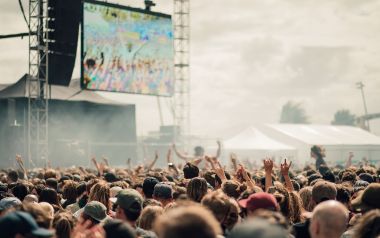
(38, 88)
(181, 24)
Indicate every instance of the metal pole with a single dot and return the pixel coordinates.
(360, 86)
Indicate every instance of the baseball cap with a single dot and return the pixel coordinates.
(323, 191)
(259, 200)
(258, 228)
(368, 199)
(162, 190)
(21, 223)
(9, 202)
(96, 210)
(127, 197)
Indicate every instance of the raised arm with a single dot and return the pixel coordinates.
(285, 173)
(20, 163)
(234, 161)
(268, 166)
(218, 151)
(349, 160)
(181, 155)
(247, 178)
(151, 165)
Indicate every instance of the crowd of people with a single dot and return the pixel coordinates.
(201, 199)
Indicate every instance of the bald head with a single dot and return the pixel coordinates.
(329, 220)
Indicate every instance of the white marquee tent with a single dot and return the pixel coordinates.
(337, 140)
(251, 143)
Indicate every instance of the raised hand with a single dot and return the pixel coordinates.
(268, 165)
(220, 171)
(285, 168)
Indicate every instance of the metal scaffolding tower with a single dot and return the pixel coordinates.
(181, 25)
(38, 88)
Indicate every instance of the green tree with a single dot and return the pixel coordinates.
(293, 113)
(344, 117)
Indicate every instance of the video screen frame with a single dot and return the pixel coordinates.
(128, 8)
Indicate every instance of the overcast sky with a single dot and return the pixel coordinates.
(249, 57)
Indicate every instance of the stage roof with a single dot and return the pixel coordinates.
(71, 93)
(327, 134)
(253, 139)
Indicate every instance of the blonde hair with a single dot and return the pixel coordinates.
(148, 216)
(305, 195)
(101, 192)
(187, 222)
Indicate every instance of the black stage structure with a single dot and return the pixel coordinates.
(81, 124)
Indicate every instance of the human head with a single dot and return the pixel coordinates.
(94, 211)
(49, 195)
(69, 190)
(259, 200)
(12, 176)
(190, 171)
(163, 193)
(101, 192)
(317, 151)
(231, 188)
(9, 203)
(148, 186)
(52, 183)
(196, 189)
(63, 223)
(30, 198)
(42, 218)
(118, 229)
(368, 225)
(224, 209)
(305, 194)
(199, 151)
(148, 216)
(20, 190)
(329, 220)
(129, 203)
(21, 223)
(187, 222)
(369, 199)
(323, 191)
(258, 228)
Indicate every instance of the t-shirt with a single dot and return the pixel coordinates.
(301, 230)
(320, 161)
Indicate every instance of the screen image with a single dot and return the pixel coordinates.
(127, 50)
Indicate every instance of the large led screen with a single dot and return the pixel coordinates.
(126, 50)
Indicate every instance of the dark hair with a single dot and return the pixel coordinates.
(133, 212)
(20, 190)
(148, 186)
(49, 195)
(199, 151)
(118, 229)
(63, 223)
(13, 175)
(313, 177)
(190, 171)
(343, 194)
(52, 183)
(329, 176)
(196, 189)
(81, 188)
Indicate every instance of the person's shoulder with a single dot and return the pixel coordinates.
(144, 233)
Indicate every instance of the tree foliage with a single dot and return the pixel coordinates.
(344, 117)
(293, 113)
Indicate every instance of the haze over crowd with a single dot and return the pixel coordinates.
(248, 58)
